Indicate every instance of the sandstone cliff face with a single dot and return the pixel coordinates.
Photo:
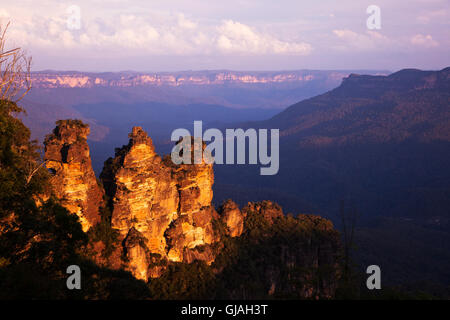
(189, 231)
(175, 79)
(74, 182)
(142, 194)
(136, 253)
(194, 224)
(232, 217)
(163, 213)
(168, 206)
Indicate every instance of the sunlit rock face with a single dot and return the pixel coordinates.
(143, 196)
(190, 230)
(74, 182)
(91, 80)
(168, 205)
(136, 253)
(162, 212)
(232, 217)
(194, 224)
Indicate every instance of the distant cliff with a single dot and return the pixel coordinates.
(235, 89)
(67, 79)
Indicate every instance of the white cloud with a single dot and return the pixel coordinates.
(163, 34)
(235, 37)
(424, 41)
(183, 22)
(370, 40)
(234, 33)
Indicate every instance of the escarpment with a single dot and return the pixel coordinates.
(73, 182)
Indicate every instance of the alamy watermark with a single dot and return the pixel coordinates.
(74, 280)
(374, 280)
(257, 147)
(374, 20)
(73, 21)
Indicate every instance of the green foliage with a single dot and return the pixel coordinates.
(105, 233)
(220, 228)
(18, 157)
(284, 253)
(39, 242)
(184, 281)
(279, 259)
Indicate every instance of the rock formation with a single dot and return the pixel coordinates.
(74, 182)
(162, 213)
(142, 194)
(232, 217)
(167, 206)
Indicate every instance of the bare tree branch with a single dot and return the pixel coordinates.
(15, 71)
(33, 168)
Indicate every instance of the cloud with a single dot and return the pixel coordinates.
(162, 34)
(183, 22)
(232, 34)
(425, 41)
(235, 37)
(370, 40)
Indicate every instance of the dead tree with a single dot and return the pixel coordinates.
(15, 70)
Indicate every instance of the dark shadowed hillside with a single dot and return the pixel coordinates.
(407, 105)
(383, 145)
(377, 138)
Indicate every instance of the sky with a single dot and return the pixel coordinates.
(174, 35)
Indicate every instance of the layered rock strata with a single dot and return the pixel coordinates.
(73, 182)
(167, 206)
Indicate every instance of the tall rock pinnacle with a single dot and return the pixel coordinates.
(74, 182)
(166, 207)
